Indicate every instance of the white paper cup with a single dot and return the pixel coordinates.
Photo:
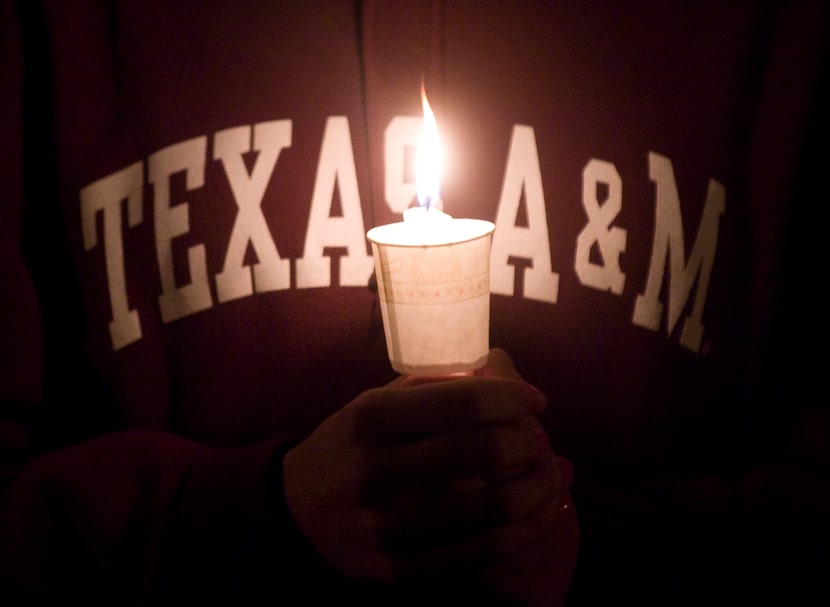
(434, 294)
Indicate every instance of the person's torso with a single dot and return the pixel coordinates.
(218, 169)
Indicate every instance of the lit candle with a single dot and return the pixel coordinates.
(433, 274)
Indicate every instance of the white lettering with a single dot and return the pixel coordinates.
(668, 241)
(531, 242)
(335, 168)
(606, 277)
(271, 272)
(105, 196)
(521, 242)
(189, 156)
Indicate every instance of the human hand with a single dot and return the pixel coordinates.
(540, 573)
(399, 483)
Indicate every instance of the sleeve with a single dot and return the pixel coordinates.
(131, 517)
(148, 517)
(20, 352)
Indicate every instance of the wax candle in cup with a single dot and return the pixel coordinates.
(433, 275)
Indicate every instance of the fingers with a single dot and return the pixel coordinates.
(455, 515)
(496, 544)
(426, 473)
(393, 414)
(486, 451)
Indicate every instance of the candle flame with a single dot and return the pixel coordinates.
(430, 159)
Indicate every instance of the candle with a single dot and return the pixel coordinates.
(433, 274)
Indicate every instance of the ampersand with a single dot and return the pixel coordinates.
(611, 240)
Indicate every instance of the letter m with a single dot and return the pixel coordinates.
(668, 243)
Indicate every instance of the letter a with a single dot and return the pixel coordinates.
(531, 242)
(335, 168)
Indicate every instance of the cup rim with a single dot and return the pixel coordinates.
(376, 234)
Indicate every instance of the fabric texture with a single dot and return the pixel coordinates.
(186, 189)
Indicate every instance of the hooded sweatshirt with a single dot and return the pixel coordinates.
(190, 187)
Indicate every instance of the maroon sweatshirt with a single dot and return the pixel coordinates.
(186, 281)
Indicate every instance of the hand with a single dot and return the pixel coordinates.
(541, 573)
(390, 487)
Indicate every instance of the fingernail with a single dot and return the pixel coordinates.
(536, 398)
(566, 470)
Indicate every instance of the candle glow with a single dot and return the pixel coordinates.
(433, 274)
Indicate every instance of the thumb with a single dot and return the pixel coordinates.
(499, 365)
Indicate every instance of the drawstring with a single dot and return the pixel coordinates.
(364, 13)
(435, 77)
(363, 31)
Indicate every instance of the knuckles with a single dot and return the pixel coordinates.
(408, 489)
